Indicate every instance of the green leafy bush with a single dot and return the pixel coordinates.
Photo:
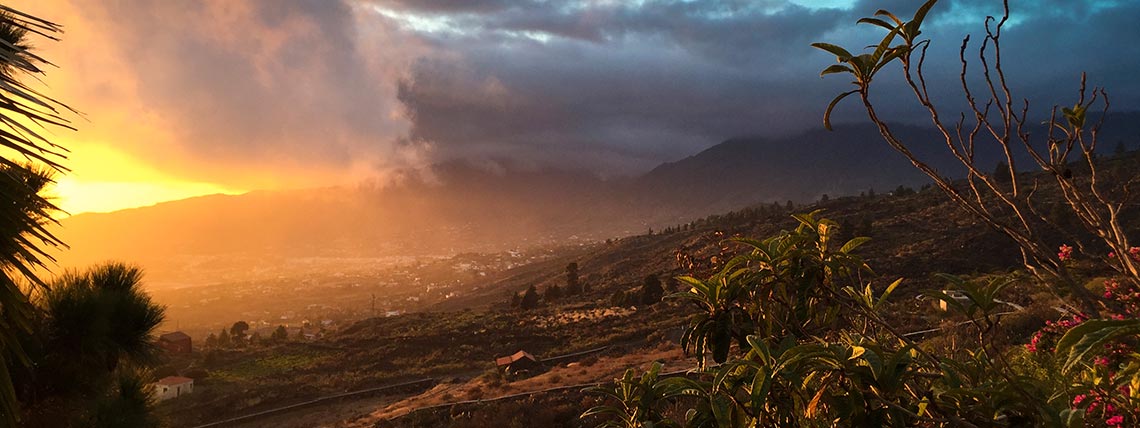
(796, 338)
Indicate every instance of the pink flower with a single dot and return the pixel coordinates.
(1078, 399)
(1115, 421)
(1066, 253)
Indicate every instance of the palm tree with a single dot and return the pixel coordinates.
(24, 213)
(96, 333)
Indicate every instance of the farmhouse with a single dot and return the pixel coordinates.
(175, 343)
(172, 386)
(518, 362)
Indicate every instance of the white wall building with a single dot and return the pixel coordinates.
(172, 386)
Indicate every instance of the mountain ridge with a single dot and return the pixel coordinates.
(476, 208)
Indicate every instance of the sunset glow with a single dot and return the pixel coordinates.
(104, 179)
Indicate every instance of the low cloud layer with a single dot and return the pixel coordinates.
(235, 89)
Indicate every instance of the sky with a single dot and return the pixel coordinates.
(182, 98)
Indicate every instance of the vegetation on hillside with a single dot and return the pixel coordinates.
(791, 333)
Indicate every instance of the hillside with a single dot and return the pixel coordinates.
(463, 207)
(454, 341)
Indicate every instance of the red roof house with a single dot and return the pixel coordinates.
(172, 387)
(518, 362)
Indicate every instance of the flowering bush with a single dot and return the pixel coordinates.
(1065, 253)
(1106, 367)
(1133, 253)
(1045, 340)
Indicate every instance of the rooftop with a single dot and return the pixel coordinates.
(502, 361)
(174, 336)
(174, 380)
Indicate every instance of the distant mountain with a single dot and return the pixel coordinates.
(464, 207)
(747, 170)
(852, 159)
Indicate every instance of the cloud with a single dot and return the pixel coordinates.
(228, 91)
(626, 85)
(237, 89)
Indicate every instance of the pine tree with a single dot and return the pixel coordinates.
(1001, 172)
(651, 291)
(224, 339)
(279, 335)
(529, 299)
(572, 285)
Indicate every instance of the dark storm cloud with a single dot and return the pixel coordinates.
(657, 81)
(1046, 46)
(613, 86)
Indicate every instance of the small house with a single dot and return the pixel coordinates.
(518, 362)
(175, 343)
(172, 386)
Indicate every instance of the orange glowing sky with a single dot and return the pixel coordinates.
(153, 129)
(103, 175)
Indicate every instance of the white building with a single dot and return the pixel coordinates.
(958, 296)
(172, 386)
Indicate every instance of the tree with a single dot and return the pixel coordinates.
(238, 330)
(212, 341)
(96, 330)
(824, 199)
(529, 299)
(553, 292)
(1001, 173)
(24, 213)
(651, 290)
(223, 339)
(1120, 148)
(255, 339)
(998, 121)
(572, 285)
(279, 334)
(798, 338)
(127, 406)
